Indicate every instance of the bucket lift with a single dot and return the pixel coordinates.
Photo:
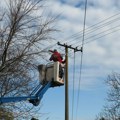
(49, 77)
(52, 72)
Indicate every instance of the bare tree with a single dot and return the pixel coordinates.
(23, 29)
(111, 110)
(6, 114)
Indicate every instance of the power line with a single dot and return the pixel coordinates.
(89, 41)
(91, 29)
(77, 37)
(97, 26)
(73, 86)
(94, 26)
(94, 37)
(81, 59)
(102, 36)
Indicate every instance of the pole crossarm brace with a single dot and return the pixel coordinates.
(69, 46)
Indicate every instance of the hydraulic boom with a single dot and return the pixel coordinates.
(33, 98)
(49, 77)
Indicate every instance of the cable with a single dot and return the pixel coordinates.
(90, 29)
(94, 38)
(93, 26)
(97, 36)
(73, 86)
(97, 26)
(102, 36)
(81, 59)
(94, 35)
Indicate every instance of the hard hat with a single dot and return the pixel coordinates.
(55, 50)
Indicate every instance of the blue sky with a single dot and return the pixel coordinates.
(100, 56)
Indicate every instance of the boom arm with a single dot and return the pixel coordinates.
(33, 98)
(50, 77)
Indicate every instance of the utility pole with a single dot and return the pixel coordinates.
(66, 77)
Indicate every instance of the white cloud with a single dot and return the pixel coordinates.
(102, 3)
(67, 12)
(101, 56)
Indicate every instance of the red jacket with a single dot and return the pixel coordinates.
(56, 56)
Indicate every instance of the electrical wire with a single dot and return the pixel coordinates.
(101, 23)
(83, 43)
(95, 27)
(101, 36)
(93, 39)
(81, 59)
(88, 34)
(91, 29)
(97, 36)
(73, 87)
(92, 36)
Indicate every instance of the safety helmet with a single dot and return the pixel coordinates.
(55, 50)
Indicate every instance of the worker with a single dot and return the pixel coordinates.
(56, 56)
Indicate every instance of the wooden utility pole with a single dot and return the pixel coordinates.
(66, 86)
(66, 78)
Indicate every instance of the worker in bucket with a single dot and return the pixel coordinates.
(56, 56)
